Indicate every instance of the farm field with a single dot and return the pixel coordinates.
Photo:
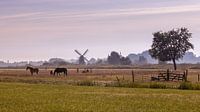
(21, 92)
(97, 75)
(23, 97)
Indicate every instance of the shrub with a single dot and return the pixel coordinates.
(157, 86)
(186, 86)
(196, 87)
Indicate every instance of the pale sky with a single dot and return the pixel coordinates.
(42, 29)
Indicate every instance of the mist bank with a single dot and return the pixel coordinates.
(188, 58)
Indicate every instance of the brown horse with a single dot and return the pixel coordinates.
(32, 70)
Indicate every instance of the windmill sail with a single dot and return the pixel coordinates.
(82, 57)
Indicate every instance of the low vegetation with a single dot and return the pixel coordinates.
(100, 91)
(23, 97)
(189, 86)
(114, 83)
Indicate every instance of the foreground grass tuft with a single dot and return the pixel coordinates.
(158, 86)
(86, 83)
(189, 86)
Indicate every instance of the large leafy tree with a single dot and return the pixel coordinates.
(171, 45)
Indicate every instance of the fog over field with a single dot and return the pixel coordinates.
(42, 29)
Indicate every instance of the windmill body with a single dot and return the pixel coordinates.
(82, 59)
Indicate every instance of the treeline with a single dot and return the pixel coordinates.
(114, 58)
(117, 59)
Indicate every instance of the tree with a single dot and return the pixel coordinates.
(99, 61)
(171, 45)
(114, 58)
(125, 61)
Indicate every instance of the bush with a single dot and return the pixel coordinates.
(189, 86)
(196, 87)
(157, 86)
(185, 86)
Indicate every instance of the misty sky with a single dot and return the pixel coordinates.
(42, 29)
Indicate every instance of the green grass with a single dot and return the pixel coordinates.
(23, 97)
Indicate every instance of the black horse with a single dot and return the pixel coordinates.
(32, 70)
(60, 70)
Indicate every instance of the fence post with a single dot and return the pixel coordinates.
(133, 76)
(167, 74)
(186, 75)
(77, 70)
(198, 77)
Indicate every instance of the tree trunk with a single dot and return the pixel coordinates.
(174, 61)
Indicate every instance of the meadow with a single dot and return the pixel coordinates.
(94, 92)
(97, 75)
(23, 97)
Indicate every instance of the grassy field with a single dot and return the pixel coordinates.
(22, 97)
(21, 92)
(97, 75)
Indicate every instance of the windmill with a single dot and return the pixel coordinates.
(82, 57)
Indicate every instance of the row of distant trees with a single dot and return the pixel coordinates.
(166, 46)
(113, 59)
(117, 59)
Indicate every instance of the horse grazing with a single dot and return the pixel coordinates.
(32, 70)
(60, 70)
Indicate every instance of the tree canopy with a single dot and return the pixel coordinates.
(171, 45)
(116, 59)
